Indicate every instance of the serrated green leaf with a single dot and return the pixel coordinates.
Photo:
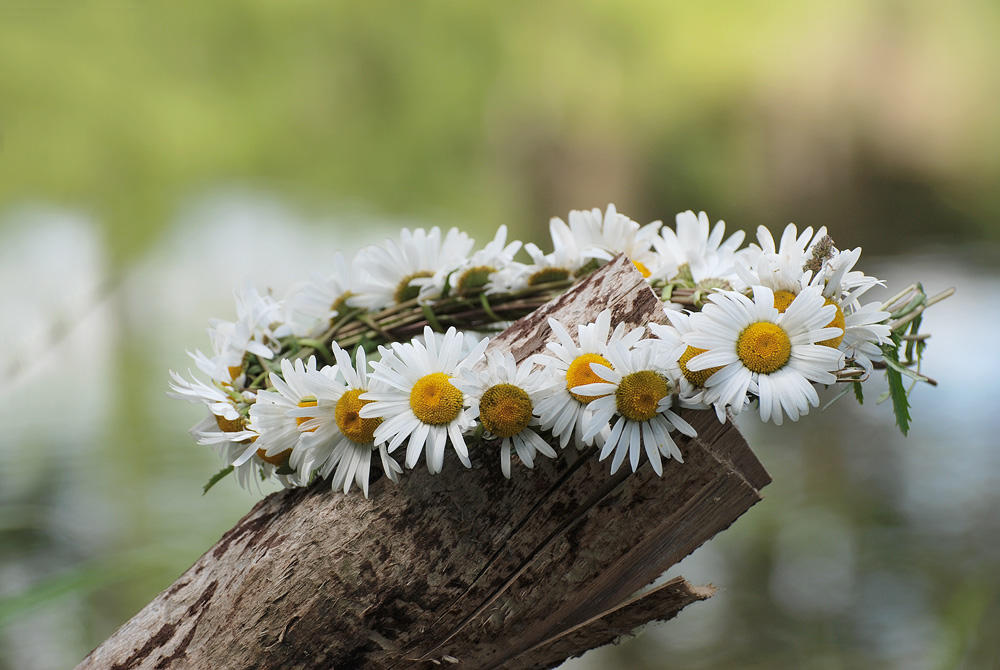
(859, 393)
(216, 478)
(900, 403)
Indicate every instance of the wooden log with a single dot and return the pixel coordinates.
(465, 567)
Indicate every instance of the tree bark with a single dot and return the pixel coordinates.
(465, 567)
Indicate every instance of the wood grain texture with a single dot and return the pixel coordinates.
(665, 602)
(465, 567)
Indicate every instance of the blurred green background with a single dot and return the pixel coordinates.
(153, 157)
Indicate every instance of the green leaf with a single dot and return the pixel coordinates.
(447, 285)
(900, 403)
(859, 393)
(316, 345)
(216, 478)
(368, 344)
(919, 299)
(432, 318)
(588, 267)
(914, 330)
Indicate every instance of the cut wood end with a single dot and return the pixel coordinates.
(704, 592)
(661, 603)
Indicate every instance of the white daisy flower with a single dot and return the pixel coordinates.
(216, 430)
(604, 237)
(225, 429)
(413, 394)
(341, 442)
(224, 369)
(274, 416)
(560, 265)
(696, 253)
(482, 271)
(640, 392)
(839, 279)
(779, 267)
(230, 440)
(310, 306)
(774, 355)
(219, 403)
(562, 412)
(503, 398)
(395, 272)
(255, 331)
(866, 329)
(674, 355)
(842, 286)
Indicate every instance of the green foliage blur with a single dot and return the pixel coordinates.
(876, 119)
(509, 112)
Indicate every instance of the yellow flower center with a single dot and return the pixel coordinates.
(234, 371)
(279, 460)
(305, 402)
(547, 275)
(782, 299)
(505, 410)
(474, 279)
(763, 347)
(696, 377)
(339, 302)
(579, 373)
(361, 431)
(404, 291)
(234, 426)
(435, 400)
(837, 322)
(230, 425)
(643, 270)
(640, 393)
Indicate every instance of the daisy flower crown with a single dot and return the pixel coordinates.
(388, 360)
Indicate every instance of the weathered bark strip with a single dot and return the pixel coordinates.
(665, 601)
(465, 565)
